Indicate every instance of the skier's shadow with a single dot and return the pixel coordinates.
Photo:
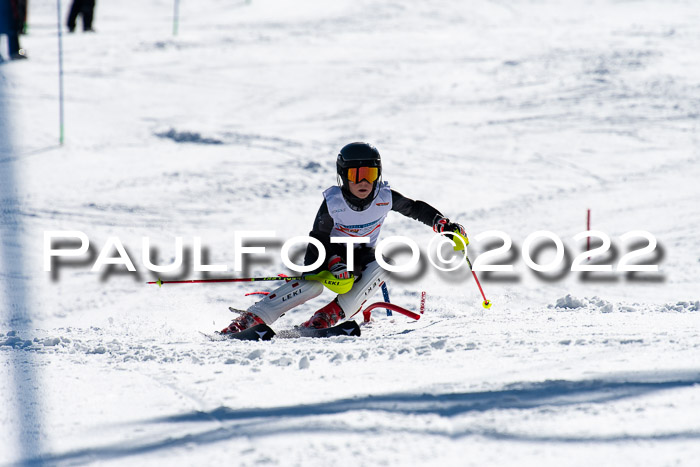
(266, 422)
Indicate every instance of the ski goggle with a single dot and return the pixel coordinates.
(357, 174)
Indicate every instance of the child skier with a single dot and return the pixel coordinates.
(356, 207)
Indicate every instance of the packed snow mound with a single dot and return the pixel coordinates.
(571, 303)
(12, 339)
(682, 306)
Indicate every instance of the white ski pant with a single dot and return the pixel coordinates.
(373, 276)
(294, 293)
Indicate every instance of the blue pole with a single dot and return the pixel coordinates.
(385, 292)
(60, 74)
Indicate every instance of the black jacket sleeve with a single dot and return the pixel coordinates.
(323, 224)
(418, 210)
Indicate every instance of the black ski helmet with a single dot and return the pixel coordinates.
(355, 155)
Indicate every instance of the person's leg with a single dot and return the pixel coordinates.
(13, 43)
(88, 11)
(348, 304)
(22, 9)
(277, 303)
(75, 8)
(16, 52)
(373, 276)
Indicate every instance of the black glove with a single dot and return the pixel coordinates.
(338, 268)
(443, 224)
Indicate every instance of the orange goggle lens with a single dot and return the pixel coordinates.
(356, 175)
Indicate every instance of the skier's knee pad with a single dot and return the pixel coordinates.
(284, 298)
(372, 279)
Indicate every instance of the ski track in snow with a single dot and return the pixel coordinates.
(515, 117)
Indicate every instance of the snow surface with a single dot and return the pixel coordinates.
(513, 116)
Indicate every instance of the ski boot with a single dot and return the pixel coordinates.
(244, 321)
(21, 54)
(326, 317)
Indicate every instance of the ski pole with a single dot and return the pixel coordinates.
(339, 286)
(60, 76)
(241, 279)
(462, 246)
(176, 17)
(486, 303)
